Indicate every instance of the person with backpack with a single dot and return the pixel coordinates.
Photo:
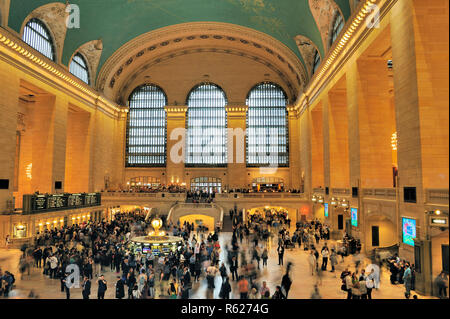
(265, 256)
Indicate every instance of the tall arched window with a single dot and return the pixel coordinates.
(267, 130)
(338, 25)
(79, 68)
(316, 62)
(206, 139)
(146, 132)
(36, 35)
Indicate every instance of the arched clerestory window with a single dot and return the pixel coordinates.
(316, 62)
(79, 67)
(146, 130)
(36, 35)
(206, 140)
(267, 128)
(338, 25)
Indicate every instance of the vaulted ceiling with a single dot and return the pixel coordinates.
(117, 23)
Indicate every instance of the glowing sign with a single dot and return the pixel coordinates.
(409, 230)
(325, 209)
(354, 214)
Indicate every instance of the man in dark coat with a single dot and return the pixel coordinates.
(86, 288)
(102, 286)
(120, 288)
(286, 281)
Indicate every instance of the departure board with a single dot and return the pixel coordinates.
(56, 201)
(75, 200)
(41, 203)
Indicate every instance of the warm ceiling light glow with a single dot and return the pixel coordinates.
(28, 171)
(394, 141)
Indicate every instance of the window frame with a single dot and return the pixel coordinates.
(247, 135)
(338, 24)
(50, 39)
(187, 163)
(127, 142)
(316, 63)
(85, 67)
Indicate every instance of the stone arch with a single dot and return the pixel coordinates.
(92, 52)
(170, 41)
(211, 210)
(324, 12)
(53, 15)
(307, 49)
(336, 15)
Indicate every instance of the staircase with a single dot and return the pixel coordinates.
(227, 224)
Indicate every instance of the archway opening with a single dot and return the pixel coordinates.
(199, 220)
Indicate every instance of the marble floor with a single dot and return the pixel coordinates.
(302, 286)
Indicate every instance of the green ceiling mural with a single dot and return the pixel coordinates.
(118, 21)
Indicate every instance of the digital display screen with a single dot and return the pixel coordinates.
(325, 209)
(166, 249)
(408, 230)
(146, 250)
(354, 214)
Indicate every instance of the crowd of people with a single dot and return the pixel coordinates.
(200, 196)
(95, 248)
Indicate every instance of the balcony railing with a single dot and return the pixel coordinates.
(319, 191)
(341, 191)
(176, 196)
(380, 193)
(260, 195)
(437, 196)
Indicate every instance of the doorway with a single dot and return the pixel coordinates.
(340, 222)
(445, 257)
(375, 236)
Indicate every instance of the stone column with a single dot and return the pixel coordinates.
(9, 101)
(305, 152)
(176, 144)
(294, 149)
(237, 168)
